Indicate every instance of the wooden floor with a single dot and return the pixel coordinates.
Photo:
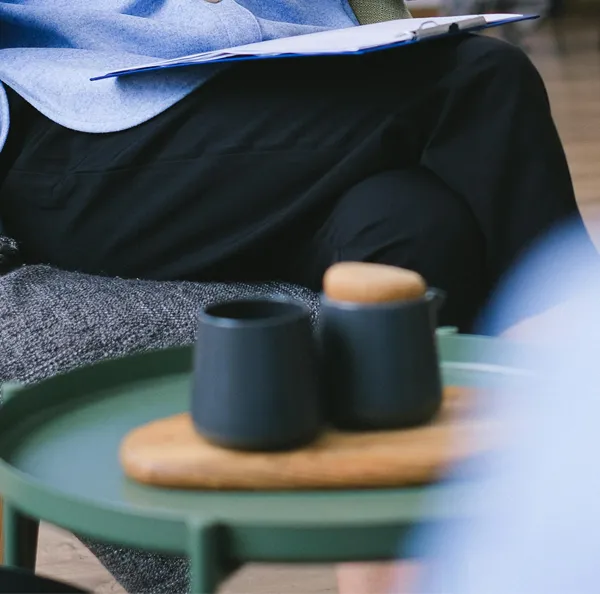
(63, 557)
(574, 85)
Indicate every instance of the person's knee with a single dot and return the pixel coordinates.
(408, 217)
(448, 249)
(497, 59)
(494, 51)
(411, 219)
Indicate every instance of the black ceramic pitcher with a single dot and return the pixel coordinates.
(380, 362)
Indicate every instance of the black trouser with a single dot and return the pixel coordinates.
(442, 157)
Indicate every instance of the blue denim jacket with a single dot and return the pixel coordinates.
(49, 49)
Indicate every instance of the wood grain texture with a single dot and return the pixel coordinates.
(170, 453)
(365, 282)
(573, 82)
(62, 557)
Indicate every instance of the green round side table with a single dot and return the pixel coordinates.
(59, 442)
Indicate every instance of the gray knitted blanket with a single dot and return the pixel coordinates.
(53, 321)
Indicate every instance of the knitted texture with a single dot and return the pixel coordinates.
(9, 254)
(376, 11)
(53, 321)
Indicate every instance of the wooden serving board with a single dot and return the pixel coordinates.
(170, 453)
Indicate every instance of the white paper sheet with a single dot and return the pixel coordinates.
(338, 41)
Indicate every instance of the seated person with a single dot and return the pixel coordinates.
(440, 157)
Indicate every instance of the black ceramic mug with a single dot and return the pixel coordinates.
(256, 375)
(380, 362)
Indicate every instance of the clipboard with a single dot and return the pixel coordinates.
(357, 40)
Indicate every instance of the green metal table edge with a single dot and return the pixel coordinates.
(209, 541)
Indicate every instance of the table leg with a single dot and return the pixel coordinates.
(1, 533)
(20, 538)
(204, 558)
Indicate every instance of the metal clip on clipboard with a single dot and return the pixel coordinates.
(432, 29)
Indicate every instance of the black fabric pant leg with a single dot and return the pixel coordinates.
(224, 185)
(235, 181)
(494, 142)
(406, 218)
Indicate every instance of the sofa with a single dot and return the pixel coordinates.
(53, 321)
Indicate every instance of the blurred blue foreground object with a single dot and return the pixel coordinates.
(538, 526)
